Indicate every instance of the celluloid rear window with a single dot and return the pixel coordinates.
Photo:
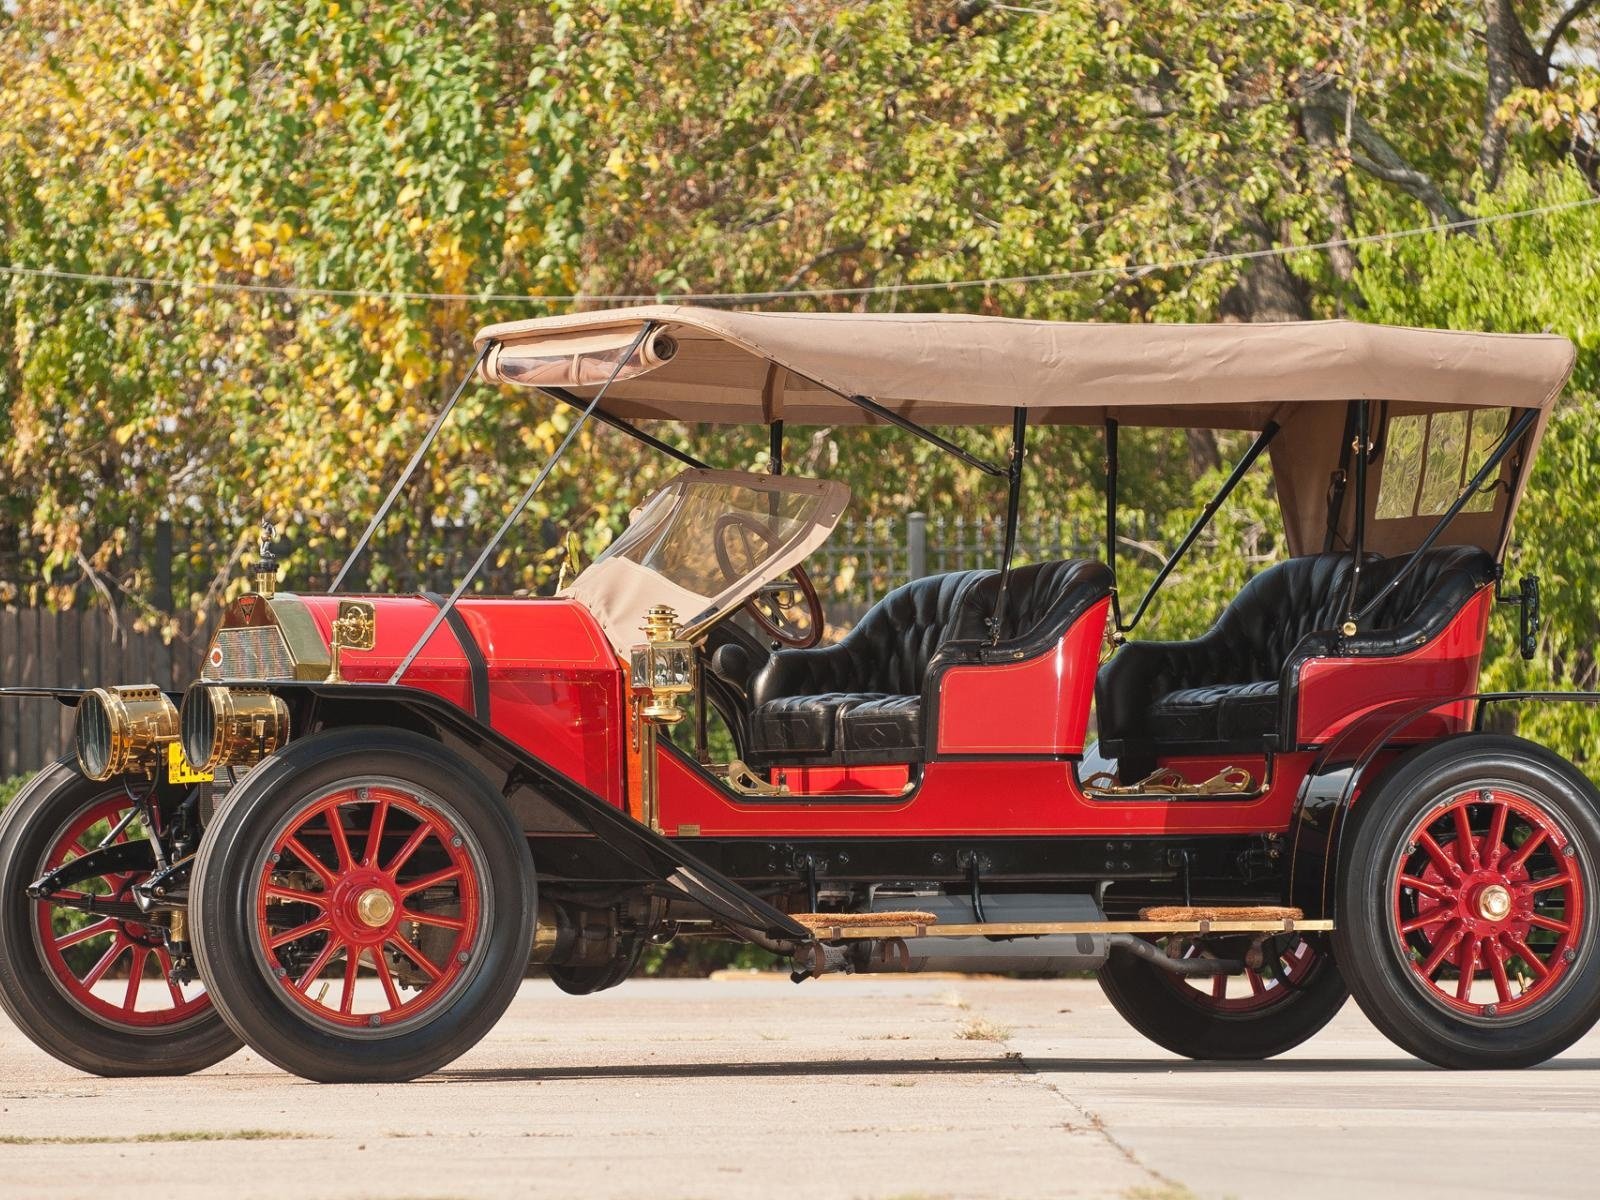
(1429, 457)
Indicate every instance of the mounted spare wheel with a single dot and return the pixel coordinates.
(365, 906)
(86, 973)
(1467, 918)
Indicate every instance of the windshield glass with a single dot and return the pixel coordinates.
(704, 544)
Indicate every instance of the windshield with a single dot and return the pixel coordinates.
(704, 544)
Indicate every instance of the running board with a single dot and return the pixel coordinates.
(854, 932)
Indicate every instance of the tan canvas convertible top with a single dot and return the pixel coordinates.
(711, 365)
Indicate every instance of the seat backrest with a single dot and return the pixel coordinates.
(1441, 582)
(1042, 599)
(1278, 607)
(893, 643)
(1275, 609)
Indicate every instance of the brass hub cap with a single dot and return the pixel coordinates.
(375, 907)
(1494, 902)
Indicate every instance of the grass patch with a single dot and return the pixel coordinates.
(977, 1029)
(175, 1135)
(9, 788)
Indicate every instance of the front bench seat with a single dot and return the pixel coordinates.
(1231, 688)
(868, 698)
(798, 698)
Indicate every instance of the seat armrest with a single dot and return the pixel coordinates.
(807, 673)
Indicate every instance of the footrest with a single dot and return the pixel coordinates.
(862, 920)
(1206, 912)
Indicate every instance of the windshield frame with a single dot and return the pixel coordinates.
(618, 590)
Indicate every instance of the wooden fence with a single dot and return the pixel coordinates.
(76, 647)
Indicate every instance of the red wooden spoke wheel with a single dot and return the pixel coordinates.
(117, 970)
(363, 906)
(1256, 989)
(1465, 920)
(371, 874)
(1489, 899)
(93, 989)
(1251, 1015)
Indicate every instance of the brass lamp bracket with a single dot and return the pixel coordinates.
(356, 628)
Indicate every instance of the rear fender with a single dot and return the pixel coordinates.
(1349, 764)
(547, 803)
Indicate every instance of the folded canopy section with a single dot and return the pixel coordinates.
(712, 365)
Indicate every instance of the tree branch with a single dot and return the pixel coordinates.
(1553, 41)
(1377, 155)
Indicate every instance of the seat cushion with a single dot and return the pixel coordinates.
(796, 725)
(840, 726)
(1219, 712)
(881, 725)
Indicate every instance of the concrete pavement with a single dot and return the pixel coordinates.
(879, 1088)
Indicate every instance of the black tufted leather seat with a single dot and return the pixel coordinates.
(1232, 687)
(864, 699)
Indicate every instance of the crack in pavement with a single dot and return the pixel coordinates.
(1092, 1121)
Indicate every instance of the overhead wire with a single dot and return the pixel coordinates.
(1126, 270)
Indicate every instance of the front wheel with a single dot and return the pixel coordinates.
(87, 976)
(363, 907)
(1467, 919)
(1256, 1014)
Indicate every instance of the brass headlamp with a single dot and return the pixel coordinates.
(663, 666)
(124, 730)
(232, 726)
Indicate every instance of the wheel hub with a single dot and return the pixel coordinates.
(375, 907)
(1494, 902)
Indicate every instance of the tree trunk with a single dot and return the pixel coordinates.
(1500, 27)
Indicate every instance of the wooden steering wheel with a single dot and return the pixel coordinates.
(741, 543)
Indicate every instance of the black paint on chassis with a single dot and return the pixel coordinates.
(55, 1024)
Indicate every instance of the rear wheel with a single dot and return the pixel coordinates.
(1466, 903)
(365, 906)
(1251, 1015)
(97, 991)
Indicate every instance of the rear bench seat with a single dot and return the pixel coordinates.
(1231, 688)
(865, 698)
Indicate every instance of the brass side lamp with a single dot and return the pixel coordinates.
(662, 666)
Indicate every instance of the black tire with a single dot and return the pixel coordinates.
(1385, 967)
(34, 993)
(259, 1000)
(1171, 1012)
(585, 981)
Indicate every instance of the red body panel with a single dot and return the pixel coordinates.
(880, 779)
(1040, 706)
(1335, 693)
(555, 684)
(557, 688)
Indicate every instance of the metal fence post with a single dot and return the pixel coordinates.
(916, 545)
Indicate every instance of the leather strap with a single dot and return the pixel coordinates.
(477, 665)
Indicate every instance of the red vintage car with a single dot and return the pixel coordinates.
(348, 841)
